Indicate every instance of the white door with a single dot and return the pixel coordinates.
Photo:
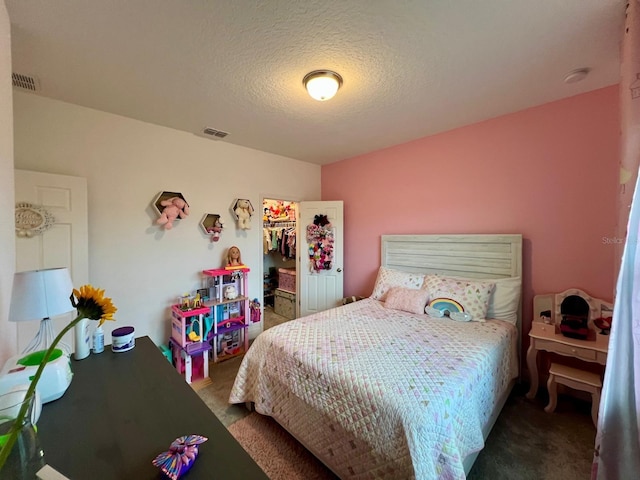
(319, 290)
(65, 244)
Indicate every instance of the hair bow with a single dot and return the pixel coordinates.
(180, 457)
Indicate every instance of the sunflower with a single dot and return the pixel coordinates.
(91, 303)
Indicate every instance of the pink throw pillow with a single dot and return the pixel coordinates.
(407, 299)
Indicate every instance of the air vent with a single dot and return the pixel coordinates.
(212, 132)
(26, 82)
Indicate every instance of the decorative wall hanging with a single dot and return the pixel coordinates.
(320, 239)
(211, 225)
(170, 206)
(242, 211)
(32, 220)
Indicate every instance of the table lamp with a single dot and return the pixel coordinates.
(40, 295)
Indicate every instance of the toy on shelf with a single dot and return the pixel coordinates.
(254, 307)
(230, 292)
(278, 211)
(211, 225)
(230, 311)
(234, 259)
(242, 211)
(171, 206)
(188, 326)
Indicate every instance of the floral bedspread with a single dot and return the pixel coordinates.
(381, 393)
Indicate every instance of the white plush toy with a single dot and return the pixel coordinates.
(230, 292)
(243, 211)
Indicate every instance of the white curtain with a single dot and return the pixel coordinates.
(617, 446)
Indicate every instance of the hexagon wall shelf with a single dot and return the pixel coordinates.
(242, 211)
(165, 195)
(208, 225)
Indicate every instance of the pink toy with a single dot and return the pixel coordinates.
(215, 231)
(174, 207)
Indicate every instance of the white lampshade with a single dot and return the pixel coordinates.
(322, 84)
(40, 294)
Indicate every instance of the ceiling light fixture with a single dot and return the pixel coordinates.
(577, 75)
(322, 84)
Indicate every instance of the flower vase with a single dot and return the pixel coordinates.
(81, 332)
(26, 456)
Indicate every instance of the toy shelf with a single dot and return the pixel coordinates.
(193, 364)
(189, 327)
(231, 325)
(230, 315)
(211, 303)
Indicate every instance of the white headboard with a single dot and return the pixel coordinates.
(474, 256)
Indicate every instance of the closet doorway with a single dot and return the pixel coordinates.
(279, 244)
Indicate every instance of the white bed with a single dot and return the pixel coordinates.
(376, 392)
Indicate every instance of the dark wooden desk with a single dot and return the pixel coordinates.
(123, 409)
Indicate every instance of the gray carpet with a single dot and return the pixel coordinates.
(525, 443)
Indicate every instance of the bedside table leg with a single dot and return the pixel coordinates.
(552, 386)
(532, 355)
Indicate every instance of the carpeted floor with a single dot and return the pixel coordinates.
(279, 455)
(525, 444)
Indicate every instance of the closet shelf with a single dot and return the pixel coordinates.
(279, 223)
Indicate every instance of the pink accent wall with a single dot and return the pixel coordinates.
(549, 173)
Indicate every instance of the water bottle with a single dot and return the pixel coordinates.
(98, 340)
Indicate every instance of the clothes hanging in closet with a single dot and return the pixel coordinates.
(281, 240)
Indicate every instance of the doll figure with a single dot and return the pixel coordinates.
(233, 257)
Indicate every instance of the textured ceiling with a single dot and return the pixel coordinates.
(411, 68)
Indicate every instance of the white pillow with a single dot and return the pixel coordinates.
(388, 278)
(505, 298)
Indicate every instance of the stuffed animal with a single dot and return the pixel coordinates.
(243, 211)
(215, 231)
(230, 292)
(174, 207)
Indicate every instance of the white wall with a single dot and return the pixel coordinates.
(7, 219)
(127, 163)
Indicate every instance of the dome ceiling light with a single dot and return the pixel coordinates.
(577, 75)
(322, 84)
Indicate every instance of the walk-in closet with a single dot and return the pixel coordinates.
(279, 257)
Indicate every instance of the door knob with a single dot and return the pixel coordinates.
(339, 270)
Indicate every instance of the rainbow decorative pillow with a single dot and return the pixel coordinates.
(471, 296)
(407, 299)
(389, 278)
(504, 303)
